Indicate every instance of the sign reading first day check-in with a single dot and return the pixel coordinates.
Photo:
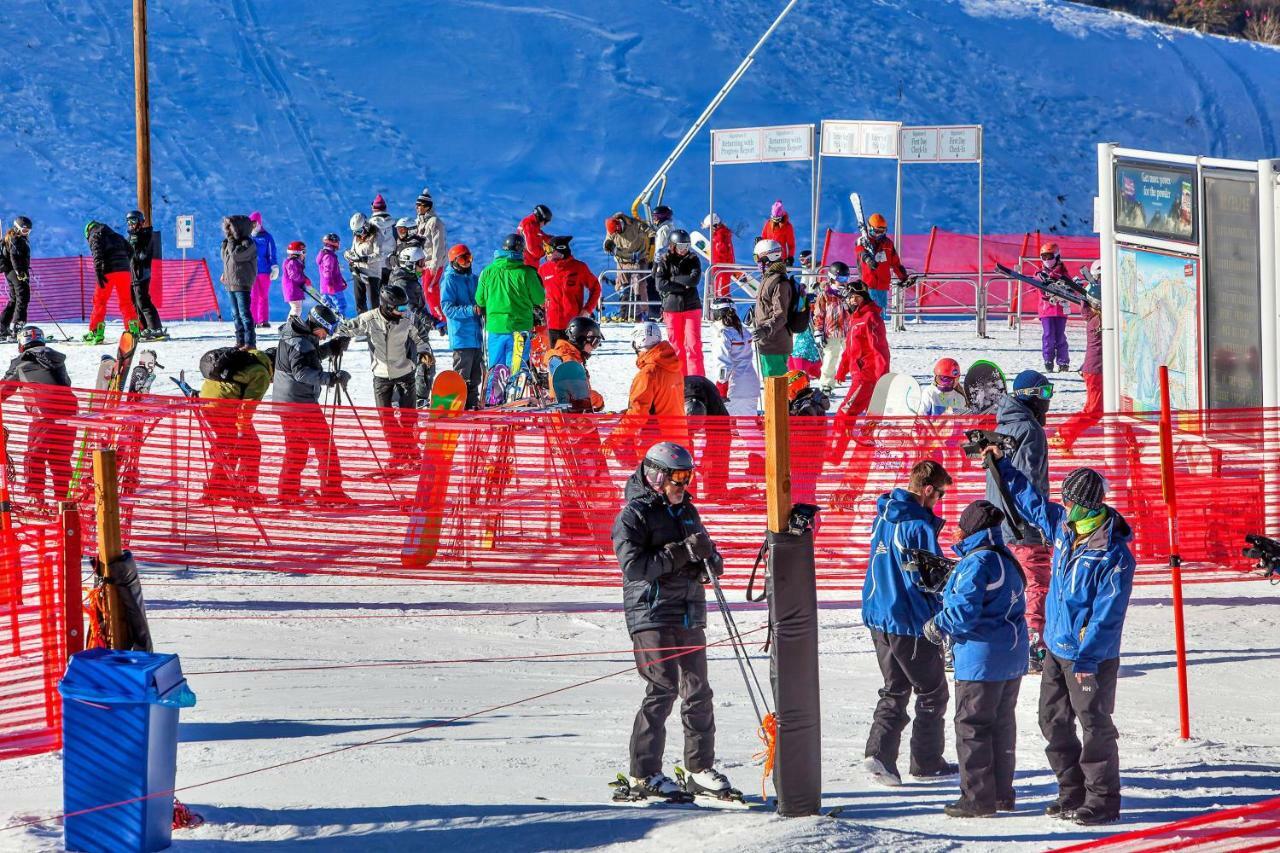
(949, 144)
(762, 144)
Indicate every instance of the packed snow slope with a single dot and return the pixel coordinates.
(305, 111)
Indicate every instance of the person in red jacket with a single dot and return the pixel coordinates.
(879, 260)
(778, 227)
(535, 239)
(866, 350)
(572, 289)
(721, 237)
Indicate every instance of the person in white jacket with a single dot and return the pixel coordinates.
(430, 230)
(735, 360)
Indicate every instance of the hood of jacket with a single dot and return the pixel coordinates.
(507, 260)
(991, 536)
(241, 226)
(661, 356)
(1010, 410)
(900, 505)
(636, 487)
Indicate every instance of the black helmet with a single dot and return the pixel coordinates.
(542, 213)
(662, 459)
(560, 245)
(30, 336)
(662, 213)
(392, 296)
(323, 317)
(134, 217)
(694, 408)
(838, 271)
(680, 237)
(513, 243)
(581, 331)
(22, 222)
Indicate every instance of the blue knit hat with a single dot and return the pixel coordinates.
(1028, 379)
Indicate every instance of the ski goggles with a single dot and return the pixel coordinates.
(681, 478)
(462, 260)
(840, 279)
(945, 383)
(1040, 392)
(593, 340)
(879, 232)
(1049, 258)
(682, 248)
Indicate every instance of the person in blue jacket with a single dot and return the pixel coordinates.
(1092, 577)
(895, 607)
(464, 321)
(268, 271)
(984, 611)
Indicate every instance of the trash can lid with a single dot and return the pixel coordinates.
(121, 676)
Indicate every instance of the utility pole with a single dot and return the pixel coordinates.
(142, 110)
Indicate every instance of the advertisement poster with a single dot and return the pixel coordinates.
(1156, 201)
(1158, 324)
(1232, 289)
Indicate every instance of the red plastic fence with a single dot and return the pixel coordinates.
(1248, 828)
(63, 288)
(504, 497)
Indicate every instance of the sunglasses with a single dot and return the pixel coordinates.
(681, 478)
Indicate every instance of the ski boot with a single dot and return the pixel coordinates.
(96, 335)
(708, 783)
(878, 772)
(1048, 367)
(629, 789)
(1064, 368)
(7, 336)
(135, 329)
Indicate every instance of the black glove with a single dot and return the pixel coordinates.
(679, 555)
(342, 377)
(700, 546)
(791, 260)
(338, 345)
(933, 633)
(608, 246)
(715, 564)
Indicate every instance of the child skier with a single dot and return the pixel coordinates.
(1053, 312)
(295, 280)
(735, 358)
(944, 396)
(830, 316)
(332, 284)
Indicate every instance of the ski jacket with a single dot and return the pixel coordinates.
(722, 253)
(564, 351)
(654, 594)
(267, 254)
(294, 281)
(735, 360)
(773, 304)
(1092, 342)
(703, 390)
(386, 239)
(885, 255)
(633, 244)
(144, 248)
(934, 401)
(508, 292)
(110, 251)
(571, 290)
(892, 599)
(429, 228)
(388, 342)
(17, 249)
(830, 316)
(677, 277)
(239, 256)
(805, 347)
(45, 385)
(1031, 458)
(983, 609)
(866, 345)
(784, 233)
(458, 301)
(364, 259)
(1091, 578)
(657, 390)
(299, 375)
(1052, 306)
(248, 383)
(535, 240)
(331, 280)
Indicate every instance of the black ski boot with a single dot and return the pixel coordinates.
(968, 808)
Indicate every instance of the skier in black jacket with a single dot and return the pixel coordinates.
(40, 374)
(144, 247)
(15, 263)
(664, 553)
(678, 274)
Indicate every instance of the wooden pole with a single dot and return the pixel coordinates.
(142, 108)
(72, 593)
(777, 453)
(106, 492)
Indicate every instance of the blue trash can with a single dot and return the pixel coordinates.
(120, 742)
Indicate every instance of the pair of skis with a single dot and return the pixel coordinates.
(1068, 290)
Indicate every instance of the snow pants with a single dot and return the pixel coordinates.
(909, 664)
(881, 298)
(502, 350)
(338, 302)
(242, 318)
(667, 675)
(1089, 772)
(15, 312)
(858, 398)
(1037, 564)
(987, 739)
(260, 299)
(118, 283)
(143, 305)
(684, 331)
(235, 452)
(397, 402)
(773, 365)
(366, 289)
(1088, 416)
(1053, 341)
(468, 362)
(831, 354)
(306, 431)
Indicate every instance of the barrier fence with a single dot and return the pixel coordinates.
(63, 289)
(1254, 827)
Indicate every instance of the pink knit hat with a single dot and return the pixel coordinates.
(379, 203)
(255, 217)
(777, 210)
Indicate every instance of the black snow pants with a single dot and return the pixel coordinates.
(909, 664)
(669, 674)
(1089, 773)
(148, 316)
(15, 312)
(469, 361)
(986, 739)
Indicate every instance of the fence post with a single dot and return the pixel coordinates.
(1175, 560)
(80, 266)
(72, 593)
(107, 499)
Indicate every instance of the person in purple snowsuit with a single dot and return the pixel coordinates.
(1053, 312)
(295, 281)
(268, 271)
(332, 285)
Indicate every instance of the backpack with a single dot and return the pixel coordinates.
(225, 362)
(801, 312)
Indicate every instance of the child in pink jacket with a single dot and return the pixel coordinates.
(332, 285)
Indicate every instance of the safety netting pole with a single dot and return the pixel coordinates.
(1175, 560)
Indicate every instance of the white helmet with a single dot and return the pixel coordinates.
(357, 222)
(710, 220)
(769, 250)
(411, 256)
(1095, 270)
(645, 335)
(405, 222)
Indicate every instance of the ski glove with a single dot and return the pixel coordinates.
(341, 377)
(700, 546)
(678, 554)
(102, 279)
(275, 271)
(723, 388)
(933, 633)
(338, 345)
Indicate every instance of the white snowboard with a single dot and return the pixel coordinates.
(896, 394)
(749, 283)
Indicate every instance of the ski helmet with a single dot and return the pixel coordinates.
(767, 251)
(322, 317)
(331, 240)
(393, 297)
(710, 220)
(680, 241)
(560, 246)
(134, 218)
(878, 224)
(406, 223)
(1095, 270)
(645, 335)
(663, 460)
(460, 256)
(411, 256)
(694, 408)
(30, 336)
(88, 226)
(357, 223)
(1049, 252)
(613, 224)
(582, 331)
(662, 213)
(838, 272)
(856, 287)
(806, 258)
(22, 222)
(542, 213)
(513, 243)
(797, 384)
(296, 249)
(946, 372)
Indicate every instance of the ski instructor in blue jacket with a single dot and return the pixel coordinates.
(896, 607)
(1092, 577)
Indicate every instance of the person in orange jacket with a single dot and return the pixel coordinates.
(581, 337)
(721, 237)
(572, 289)
(535, 238)
(657, 391)
(878, 259)
(866, 350)
(778, 227)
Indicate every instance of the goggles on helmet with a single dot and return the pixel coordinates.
(1040, 392)
(945, 383)
(680, 478)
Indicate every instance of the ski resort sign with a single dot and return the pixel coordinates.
(762, 144)
(942, 144)
(860, 139)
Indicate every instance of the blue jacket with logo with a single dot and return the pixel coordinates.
(1091, 582)
(458, 301)
(892, 599)
(267, 257)
(983, 609)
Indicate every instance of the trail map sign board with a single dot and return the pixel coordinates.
(762, 144)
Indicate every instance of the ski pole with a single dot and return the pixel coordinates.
(382, 472)
(49, 314)
(739, 652)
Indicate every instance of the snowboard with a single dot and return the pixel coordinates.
(422, 539)
(570, 386)
(895, 394)
(749, 283)
(984, 384)
(495, 385)
(1059, 288)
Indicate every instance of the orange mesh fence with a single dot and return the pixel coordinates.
(63, 289)
(508, 497)
(1247, 828)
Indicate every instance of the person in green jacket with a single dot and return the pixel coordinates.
(241, 378)
(508, 292)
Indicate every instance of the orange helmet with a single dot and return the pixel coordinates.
(458, 251)
(797, 382)
(1050, 249)
(613, 224)
(877, 220)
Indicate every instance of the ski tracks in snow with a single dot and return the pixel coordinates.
(1206, 104)
(1265, 127)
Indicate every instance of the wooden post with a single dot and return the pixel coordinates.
(106, 491)
(777, 453)
(142, 108)
(72, 593)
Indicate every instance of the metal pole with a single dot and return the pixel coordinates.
(814, 160)
(1110, 291)
(982, 290)
(142, 107)
(706, 113)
